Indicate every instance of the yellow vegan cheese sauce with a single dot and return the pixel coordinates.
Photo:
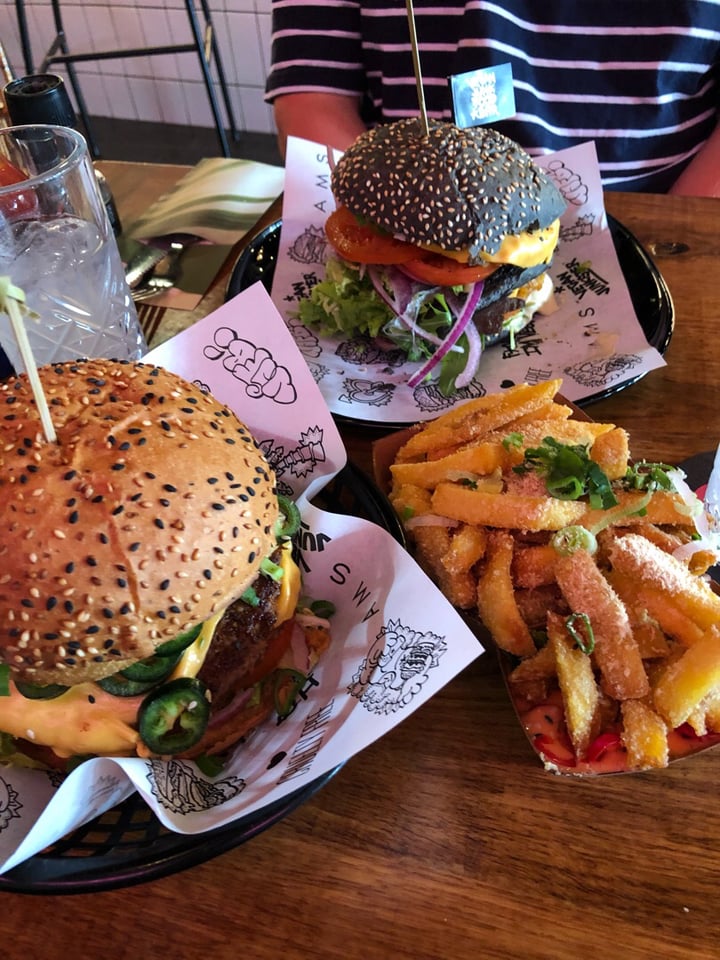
(522, 250)
(86, 719)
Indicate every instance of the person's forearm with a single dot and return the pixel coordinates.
(327, 118)
(701, 177)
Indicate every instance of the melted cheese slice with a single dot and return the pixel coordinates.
(86, 719)
(522, 250)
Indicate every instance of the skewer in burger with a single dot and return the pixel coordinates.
(442, 244)
(148, 595)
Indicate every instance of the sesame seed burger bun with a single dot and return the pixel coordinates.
(151, 513)
(457, 189)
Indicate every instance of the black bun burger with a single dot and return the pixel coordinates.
(464, 212)
(147, 589)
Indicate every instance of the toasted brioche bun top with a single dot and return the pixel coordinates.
(458, 189)
(152, 512)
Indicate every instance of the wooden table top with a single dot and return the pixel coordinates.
(446, 839)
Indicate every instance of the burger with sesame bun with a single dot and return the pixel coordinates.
(442, 243)
(148, 595)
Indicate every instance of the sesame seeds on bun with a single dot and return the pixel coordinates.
(152, 512)
(459, 189)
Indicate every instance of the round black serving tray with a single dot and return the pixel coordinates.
(128, 844)
(648, 291)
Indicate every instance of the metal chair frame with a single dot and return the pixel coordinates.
(204, 44)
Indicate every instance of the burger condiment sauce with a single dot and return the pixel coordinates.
(82, 720)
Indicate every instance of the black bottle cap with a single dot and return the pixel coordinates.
(39, 98)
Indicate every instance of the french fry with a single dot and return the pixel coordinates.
(534, 565)
(540, 666)
(431, 544)
(472, 421)
(409, 500)
(644, 735)
(616, 651)
(581, 697)
(611, 452)
(636, 557)
(664, 508)
(512, 511)
(688, 680)
(496, 598)
(480, 458)
(533, 432)
(467, 546)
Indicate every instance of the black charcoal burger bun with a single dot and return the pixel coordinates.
(151, 513)
(458, 189)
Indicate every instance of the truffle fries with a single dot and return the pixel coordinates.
(540, 523)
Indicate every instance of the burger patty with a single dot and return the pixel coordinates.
(240, 640)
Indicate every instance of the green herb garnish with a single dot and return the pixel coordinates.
(569, 473)
(512, 441)
(585, 638)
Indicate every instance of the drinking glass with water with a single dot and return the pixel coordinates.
(56, 243)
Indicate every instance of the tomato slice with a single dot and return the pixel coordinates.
(442, 271)
(364, 244)
(277, 645)
(14, 204)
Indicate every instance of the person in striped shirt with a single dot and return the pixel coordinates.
(639, 77)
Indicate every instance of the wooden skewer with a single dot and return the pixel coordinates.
(417, 68)
(12, 301)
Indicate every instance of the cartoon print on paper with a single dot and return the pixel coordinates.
(569, 183)
(396, 668)
(430, 398)
(579, 278)
(318, 370)
(10, 805)
(363, 350)
(375, 393)
(306, 341)
(603, 370)
(582, 227)
(310, 247)
(300, 461)
(253, 366)
(177, 786)
(528, 342)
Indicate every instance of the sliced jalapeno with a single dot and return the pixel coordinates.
(178, 643)
(289, 520)
(37, 691)
(152, 669)
(174, 717)
(119, 686)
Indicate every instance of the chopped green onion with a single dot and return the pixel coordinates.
(645, 475)
(513, 441)
(585, 640)
(565, 488)
(407, 512)
(272, 570)
(569, 472)
(569, 539)
(4, 680)
(250, 597)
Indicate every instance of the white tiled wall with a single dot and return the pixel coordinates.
(166, 88)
